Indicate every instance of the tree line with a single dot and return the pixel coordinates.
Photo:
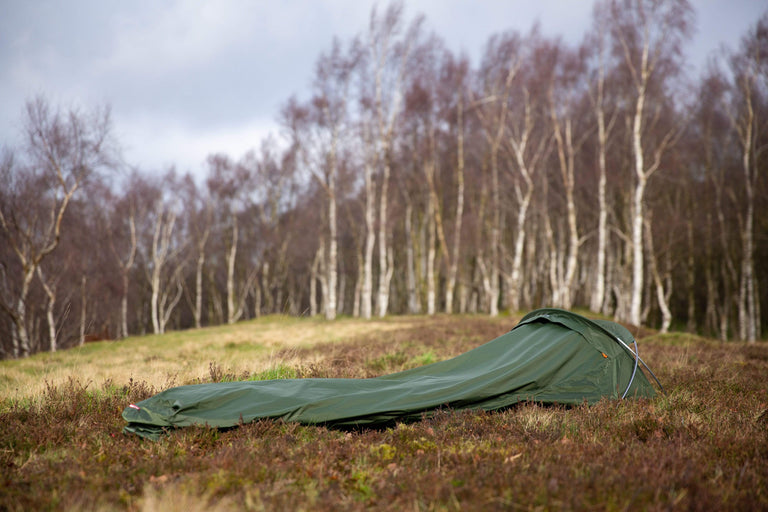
(411, 180)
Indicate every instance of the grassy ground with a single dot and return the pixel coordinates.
(704, 446)
(184, 355)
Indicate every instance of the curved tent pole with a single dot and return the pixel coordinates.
(636, 355)
(634, 370)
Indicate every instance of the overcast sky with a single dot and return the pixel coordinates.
(188, 78)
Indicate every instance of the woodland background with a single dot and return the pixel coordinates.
(412, 180)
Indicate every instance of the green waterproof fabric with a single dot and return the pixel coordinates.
(552, 356)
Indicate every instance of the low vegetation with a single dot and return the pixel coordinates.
(703, 446)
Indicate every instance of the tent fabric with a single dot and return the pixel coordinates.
(551, 357)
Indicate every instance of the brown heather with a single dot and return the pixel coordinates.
(704, 446)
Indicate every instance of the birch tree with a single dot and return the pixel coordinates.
(458, 72)
(198, 208)
(275, 194)
(529, 148)
(562, 98)
(389, 46)
(318, 131)
(162, 249)
(410, 181)
(422, 120)
(711, 128)
(60, 152)
(366, 287)
(230, 185)
(501, 65)
(605, 123)
(648, 34)
(49, 285)
(124, 246)
(748, 119)
(661, 282)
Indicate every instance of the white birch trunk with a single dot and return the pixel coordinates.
(198, 310)
(492, 286)
(125, 268)
(573, 230)
(231, 256)
(356, 299)
(50, 292)
(414, 304)
(661, 296)
(166, 308)
(366, 292)
(155, 275)
(83, 304)
(450, 285)
(524, 200)
(554, 278)
(124, 311)
(431, 286)
(385, 272)
(598, 302)
(161, 249)
(517, 256)
(313, 284)
(333, 263)
(322, 276)
(748, 312)
(638, 215)
(21, 346)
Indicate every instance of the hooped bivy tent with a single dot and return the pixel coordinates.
(551, 357)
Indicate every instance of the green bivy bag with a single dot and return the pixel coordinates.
(551, 357)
